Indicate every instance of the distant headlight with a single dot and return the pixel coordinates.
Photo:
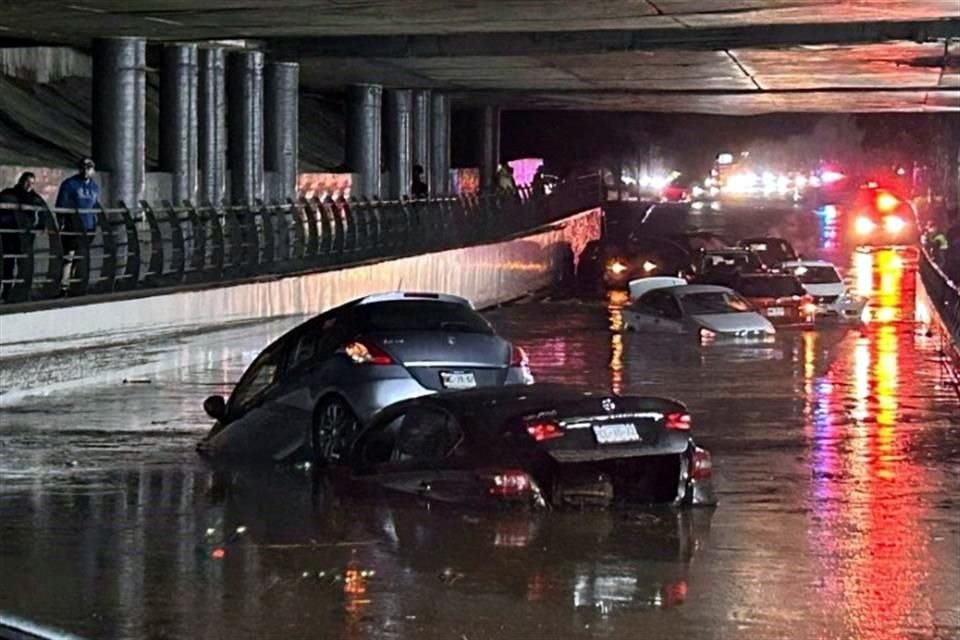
(616, 267)
(894, 224)
(864, 225)
(649, 266)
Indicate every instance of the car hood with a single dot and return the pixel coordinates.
(829, 289)
(734, 322)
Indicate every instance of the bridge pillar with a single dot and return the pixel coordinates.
(281, 122)
(399, 124)
(245, 125)
(119, 115)
(440, 145)
(421, 132)
(364, 126)
(490, 145)
(212, 125)
(178, 120)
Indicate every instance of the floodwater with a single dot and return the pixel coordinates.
(836, 458)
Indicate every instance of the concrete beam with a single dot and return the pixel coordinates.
(532, 43)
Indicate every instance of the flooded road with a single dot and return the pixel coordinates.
(836, 458)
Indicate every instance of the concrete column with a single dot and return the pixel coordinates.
(245, 125)
(119, 115)
(440, 145)
(212, 126)
(178, 120)
(364, 127)
(421, 132)
(281, 83)
(399, 149)
(490, 153)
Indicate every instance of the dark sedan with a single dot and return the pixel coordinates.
(308, 393)
(534, 447)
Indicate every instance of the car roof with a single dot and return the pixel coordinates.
(807, 263)
(688, 289)
(729, 250)
(764, 275)
(764, 239)
(407, 296)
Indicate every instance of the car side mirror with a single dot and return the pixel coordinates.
(216, 407)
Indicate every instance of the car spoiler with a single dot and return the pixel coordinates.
(642, 285)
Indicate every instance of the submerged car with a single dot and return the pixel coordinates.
(780, 298)
(822, 280)
(534, 447)
(613, 264)
(771, 251)
(307, 393)
(666, 305)
(877, 217)
(720, 262)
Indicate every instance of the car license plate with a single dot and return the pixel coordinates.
(458, 380)
(776, 311)
(616, 433)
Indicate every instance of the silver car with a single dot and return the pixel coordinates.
(708, 311)
(307, 394)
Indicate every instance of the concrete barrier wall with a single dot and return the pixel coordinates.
(34, 345)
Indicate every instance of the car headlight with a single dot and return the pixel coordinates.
(864, 225)
(894, 224)
(616, 267)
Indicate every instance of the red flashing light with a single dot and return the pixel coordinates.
(887, 202)
(678, 421)
(541, 431)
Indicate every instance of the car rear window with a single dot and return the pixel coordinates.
(817, 275)
(710, 302)
(420, 315)
(770, 287)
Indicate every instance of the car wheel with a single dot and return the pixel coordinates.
(334, 427)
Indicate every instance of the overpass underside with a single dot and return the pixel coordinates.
(717, 56)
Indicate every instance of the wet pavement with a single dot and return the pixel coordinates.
(836, 457)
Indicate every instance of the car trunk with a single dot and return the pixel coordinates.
(599, 483)
(779, 310)
(618, 457)
(441, 360)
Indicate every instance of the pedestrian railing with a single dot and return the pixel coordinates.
(945, 295)
(49, 254)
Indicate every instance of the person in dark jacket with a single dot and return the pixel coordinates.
(82, 193)
(419, 188)
(13, 222)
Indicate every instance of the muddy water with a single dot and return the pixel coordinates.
(836, 455)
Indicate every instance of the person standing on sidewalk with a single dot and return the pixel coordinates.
(13, 241)
(81, 193)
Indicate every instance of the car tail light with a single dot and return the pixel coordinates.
(894, 224)
(509, 483)
(678, 421)
(701, 467)
(365, 353)
(541, 431)
(864, 225)
(518, 357)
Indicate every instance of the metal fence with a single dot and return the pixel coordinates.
(945, 295)
(48, 254)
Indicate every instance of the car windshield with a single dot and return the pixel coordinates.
(771, 249)
(720, 260)
(709, 302)
(770, 287)
(418, 315)
(817, 275)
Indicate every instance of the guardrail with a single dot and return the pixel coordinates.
(48, 254)
(945, 295)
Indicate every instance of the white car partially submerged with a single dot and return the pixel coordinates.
(670, 305)
(822, 280)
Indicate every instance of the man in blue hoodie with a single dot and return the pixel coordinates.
(79, 192)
